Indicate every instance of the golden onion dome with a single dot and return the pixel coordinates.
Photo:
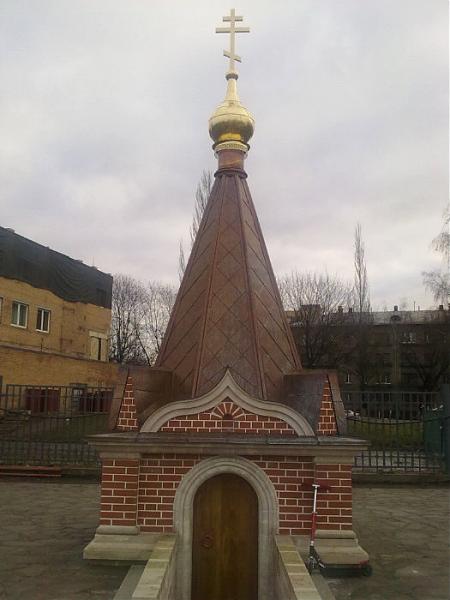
(231, 124)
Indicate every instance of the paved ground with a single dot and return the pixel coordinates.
(405, 530)
(46, 524)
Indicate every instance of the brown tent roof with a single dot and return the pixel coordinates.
(228, 313)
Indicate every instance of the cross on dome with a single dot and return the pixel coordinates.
(231, 125)
(232, 18)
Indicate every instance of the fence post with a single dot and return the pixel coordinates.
(445, 394)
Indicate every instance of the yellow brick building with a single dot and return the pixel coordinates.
(37, 319)
(52, 308)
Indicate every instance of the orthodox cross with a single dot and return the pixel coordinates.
(232, 30)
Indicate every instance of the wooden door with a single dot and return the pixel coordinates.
(225, 540)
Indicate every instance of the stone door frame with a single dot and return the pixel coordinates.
(268, 518)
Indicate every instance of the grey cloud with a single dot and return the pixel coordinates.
(104, 115)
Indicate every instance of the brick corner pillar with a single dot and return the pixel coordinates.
(127, 418)
(327, 417)
(334, 505)
(119, 495)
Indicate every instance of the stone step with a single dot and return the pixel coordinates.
(125, 592)
(322, 587)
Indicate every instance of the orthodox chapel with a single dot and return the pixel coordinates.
(208, 470)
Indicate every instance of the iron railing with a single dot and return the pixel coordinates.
(47, 425)
(403, 427)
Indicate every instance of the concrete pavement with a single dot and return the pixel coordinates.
(46, 524)
(405, 529)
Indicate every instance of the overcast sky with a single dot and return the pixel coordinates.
(104, 107)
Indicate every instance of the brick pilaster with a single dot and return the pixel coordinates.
(127, 419)
(119, 492)
(327, 418)
(334, 505)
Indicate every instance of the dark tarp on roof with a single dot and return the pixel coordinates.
(41, 267)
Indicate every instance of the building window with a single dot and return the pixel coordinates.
(384, 378)
(98, 346)
(42, 400)
(348, 378)
(43, 320)
(409, 337)
(19, 314)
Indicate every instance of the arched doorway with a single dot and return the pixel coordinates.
(183, 509)
(225, 540)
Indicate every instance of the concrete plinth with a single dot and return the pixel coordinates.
(124, 549)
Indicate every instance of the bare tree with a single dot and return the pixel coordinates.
(315, 303)
(360, 355)
(438, 281)
(126, 315)
(361, 285)
(157, 305)
(201, 200)
(403, 303)
(429, 357)
(181, 262)
(361, 350)
(140, 314)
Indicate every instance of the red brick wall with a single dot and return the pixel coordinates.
(335, 506)
(119, 492)
(227, 417)
(327, 417)
(158, 481)
(127, 419)
(292, 478)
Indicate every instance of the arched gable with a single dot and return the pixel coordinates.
(227, 390)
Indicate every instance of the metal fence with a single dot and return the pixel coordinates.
(406, 430)
(47, 425)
